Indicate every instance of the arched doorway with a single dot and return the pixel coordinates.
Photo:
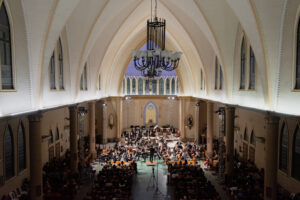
(150, 113)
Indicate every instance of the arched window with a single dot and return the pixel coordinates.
(140, 86)
(57, 134)
(245, 145)
(9, 153)
(296, 154)
(85, 77)
(161, 86)
(61, 65)
(245, 135)
(252, 138)
(81, 82)
(201, 79)
(128, 86)
(50, 137)
(177, 86)
(168, 86)
(21, 148)
(99, 82)
(5, 51)
(297, 81)
(243, 60)
(123, 86)
(52, 72)
(173, 86)
(216, 73)
(221, 78)
(133, 85)
(252, 71)
(283, 149)
(147, 86)
(154, 86)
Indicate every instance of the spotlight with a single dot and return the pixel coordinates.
(171, 97)
(127, 97)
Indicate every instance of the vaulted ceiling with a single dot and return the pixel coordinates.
(103, 33)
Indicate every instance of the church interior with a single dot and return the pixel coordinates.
(150, 99)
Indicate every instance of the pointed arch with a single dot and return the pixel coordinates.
(154, 86)
(161, 86)
(297, 78)
(21, 147)
(173, 86)
(245, 135)
(6, 66)
(252, 138)
(128, 85)
(9, 153)
(50, 141)
(147, 86)
(133, 85)
(252, 70)
(150, 106)
(123, 85)
(243, 64)
(296, 154)
(283, 148)
(57, 134)
(167, 86)
(140, 86)
(61, 65)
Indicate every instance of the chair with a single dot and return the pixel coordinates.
(12, 195)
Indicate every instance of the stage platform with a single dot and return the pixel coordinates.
(148, 163)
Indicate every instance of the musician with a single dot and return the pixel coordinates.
(152, 150)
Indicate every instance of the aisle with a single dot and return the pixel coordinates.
(142, 181)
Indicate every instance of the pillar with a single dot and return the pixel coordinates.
(271, 153)
(73, 111)
(229, 132)
(35, 141)
(181, 118)
(105, 123)
(209, 129)
(92, 128)
(119, 118)
(197, 123)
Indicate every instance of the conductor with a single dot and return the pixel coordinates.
(151, 153)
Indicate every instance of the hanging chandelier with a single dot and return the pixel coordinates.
(152, 61)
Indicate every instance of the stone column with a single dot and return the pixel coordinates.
(197, 139)
(36, 168)
(73, 112)
(229, 132)
(105, 123)
(209, 129)
(92, 128)
(271, 153)
(119, 118)
(181, 118)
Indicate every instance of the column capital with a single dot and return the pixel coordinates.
(35, 117)
(272, 119)
(73, 107)
(229, 108)
(92, 102)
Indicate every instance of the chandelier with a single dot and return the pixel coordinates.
(152, 61)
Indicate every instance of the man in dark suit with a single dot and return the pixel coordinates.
(151, 153)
